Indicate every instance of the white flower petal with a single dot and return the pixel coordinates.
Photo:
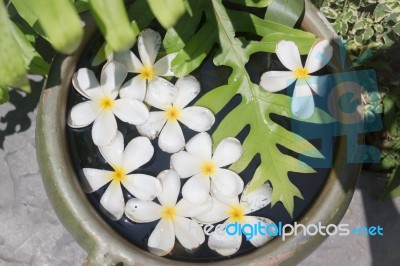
(112, 77)
(171, 138)
(200, 146)
(113, 201)
(149, 43)
(153, 125)
(228, 200)
(142, 186)
(171, 185)
(302, 101)
(319, 56)
(131, 111)
(185, 164)
(218, 212)
(85, 82)
(189, 88)
(223, 243)
(142, 211)
(227, 182)
(134, 88)
(138, 152)
(289, 55)
(256, 199)
(113, 153)
(259, 239)
(196, 189)
(104, 128)
(274, 81)
(319, 84)
(162, 239)
(162, 67)
(228, 151)
(129, 60)
(188, 232)
(160, 93)
(83, 114)
(96, 178)
(186, 208)
(197, 118)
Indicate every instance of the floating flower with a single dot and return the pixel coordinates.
(198, 163)
(103, 105)
(150, 72)
(165, 122)
(237, 212)
(174, 221)
(137, 153)
(289, 55)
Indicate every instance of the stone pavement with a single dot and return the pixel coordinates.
(31, 234)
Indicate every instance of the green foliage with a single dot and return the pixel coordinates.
(167, 12)
(286, 12)
(4, 96)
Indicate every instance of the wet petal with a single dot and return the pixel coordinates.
(131, 111)
(113, 200)
(256, 199)
(302, 101)
(223, 243)
(171, 138)
(161, 93)
(142, 211)
(153, 125)
(258, 238)
(162, 239)
(289, 55)
(162, 67)
(186, 208)
(96, 178)
(197, 118)
(134, 88)
(185, 164)
(196, 189)
(149, 43)
(227, 182)
(189, 88)
(83, 114)
(319, 56)
(85, 82)
(142, 186)
(138, 152)
(112, 77)
(200, 146)
(129, 60)
(113, 152)
(188, 232)
(171, 184)
(274, 81)
(104, 128)
(319, 84)
(228, 151)
(218, 212)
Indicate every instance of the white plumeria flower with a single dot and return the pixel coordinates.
(165, 122)
(173, 217)
(289, 55)
(138, 152)
(150, 72)
(198, 163)
(237, 212)
(103, 105)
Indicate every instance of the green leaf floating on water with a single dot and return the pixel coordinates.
(257, 105)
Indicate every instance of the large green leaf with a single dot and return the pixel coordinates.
(167, 12)
(286, 12)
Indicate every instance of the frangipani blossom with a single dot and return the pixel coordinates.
(173, 217)
(103, 105)
(165, 123)
(150, 72)
(237, 212)
(289, 55)
(206, 170)
(137, 153)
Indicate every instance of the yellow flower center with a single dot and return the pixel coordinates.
(208, 168)
(147, 72)
(236, 213)
(169, 212)
(301, 73)
(106, 102)
(173, 113)
(118, 174)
